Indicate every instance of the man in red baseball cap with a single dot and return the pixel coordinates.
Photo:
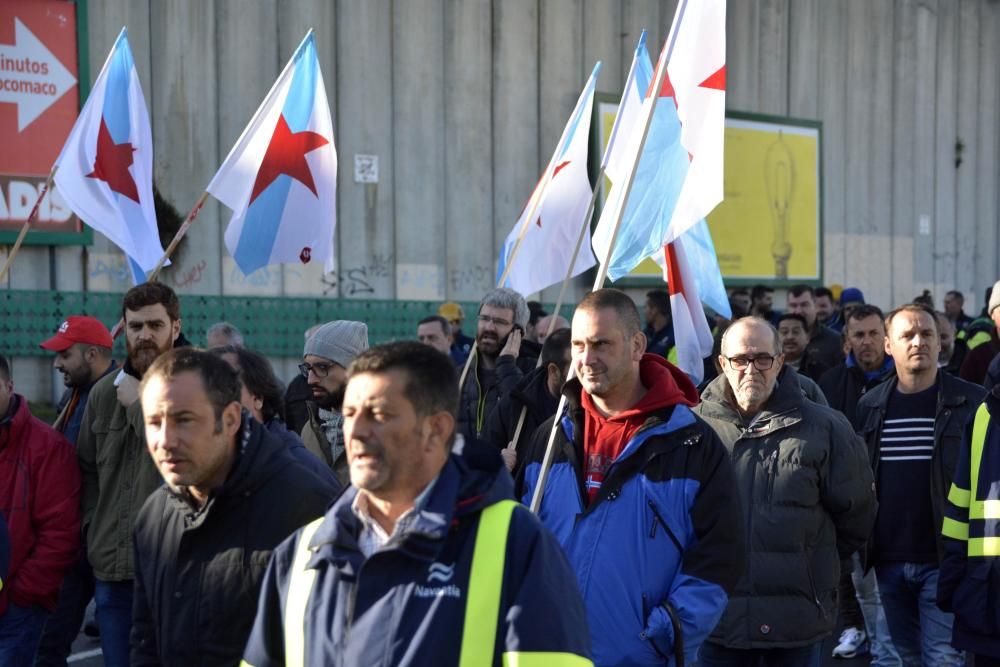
(83, 355)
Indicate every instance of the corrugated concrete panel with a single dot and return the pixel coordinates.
(602, 20)
(470, 238)
(639, 15)
(244, 78)
(185, 133)
(833, 81)
(873, 255)
(418, 136)
(966, 150)
(925, 151)
(742, 46)
(904, 215)
(516, 164)
(803, 79)
(988, 145)
(367, 263)
(946, 133)
(772, 52)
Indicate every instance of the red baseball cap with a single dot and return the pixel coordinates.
(79, 329)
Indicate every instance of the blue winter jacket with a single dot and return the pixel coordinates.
(405, 605)
(660, 547)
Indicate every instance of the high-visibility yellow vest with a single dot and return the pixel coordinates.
(979, 510)
(485, 583)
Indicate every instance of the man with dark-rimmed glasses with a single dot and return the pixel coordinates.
(325, 358)
(807, 495)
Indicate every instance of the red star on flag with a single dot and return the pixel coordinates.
(555, 172)
(286, 154)
(112, 163)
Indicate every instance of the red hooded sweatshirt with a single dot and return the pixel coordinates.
(604, 438)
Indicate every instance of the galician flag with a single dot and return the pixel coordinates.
(657, 177)
(105, 169)
(280, 179)
(697, 70)
(564, 192)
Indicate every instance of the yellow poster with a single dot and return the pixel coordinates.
(767, 228)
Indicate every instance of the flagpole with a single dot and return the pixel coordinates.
(27, 223)
(534, 202)
(602, 272)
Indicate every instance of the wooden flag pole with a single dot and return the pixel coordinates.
(602, 272)
(181, 231)
(562, 289)
(27, 223)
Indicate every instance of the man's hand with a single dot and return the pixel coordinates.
(513, 344)
(128, 390)
(509, 456)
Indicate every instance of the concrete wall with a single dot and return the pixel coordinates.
(463, 100)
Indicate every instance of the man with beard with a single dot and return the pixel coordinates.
(502, 358)
(82, 346)
(118, 474)
(326, 356)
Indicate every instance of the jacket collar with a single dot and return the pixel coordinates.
(459, 491)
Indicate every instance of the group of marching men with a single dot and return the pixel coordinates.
(371, 513)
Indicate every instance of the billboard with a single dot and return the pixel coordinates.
(39, 102)
(768, 229)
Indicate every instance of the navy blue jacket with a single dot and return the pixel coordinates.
(395, 608)
(663, 538)
(969, 583)
(294, 443)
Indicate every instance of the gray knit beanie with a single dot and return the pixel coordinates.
(339, 341)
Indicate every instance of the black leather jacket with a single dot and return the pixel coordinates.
(957, 402)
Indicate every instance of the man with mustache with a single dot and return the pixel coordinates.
(426, 559)
(913, 425)
(118, 474)
(806, 491)
(325, 358)
(502, 358)
(82, 346)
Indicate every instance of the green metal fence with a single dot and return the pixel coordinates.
(271, 325)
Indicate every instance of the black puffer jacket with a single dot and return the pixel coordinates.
(808, 499)
(532, 391)
(476, 401)
(198, 573)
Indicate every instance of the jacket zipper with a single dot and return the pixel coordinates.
(658, 518)
(772, 474)
(352, 599)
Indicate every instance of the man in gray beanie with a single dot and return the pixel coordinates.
(325, 358)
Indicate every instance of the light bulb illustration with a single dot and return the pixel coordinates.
(779, 178)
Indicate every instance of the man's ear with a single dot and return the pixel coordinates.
(439, 428)
(231, 417)
(175, 330)
(638, 345)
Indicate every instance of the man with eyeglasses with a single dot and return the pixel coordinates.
(502, 358)
(808, 500)
(325, 358)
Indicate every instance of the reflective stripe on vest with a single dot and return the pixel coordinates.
(300, 582)
(980, 509)
(482, 599)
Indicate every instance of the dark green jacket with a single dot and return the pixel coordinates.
(118, 476)
(808, 500)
